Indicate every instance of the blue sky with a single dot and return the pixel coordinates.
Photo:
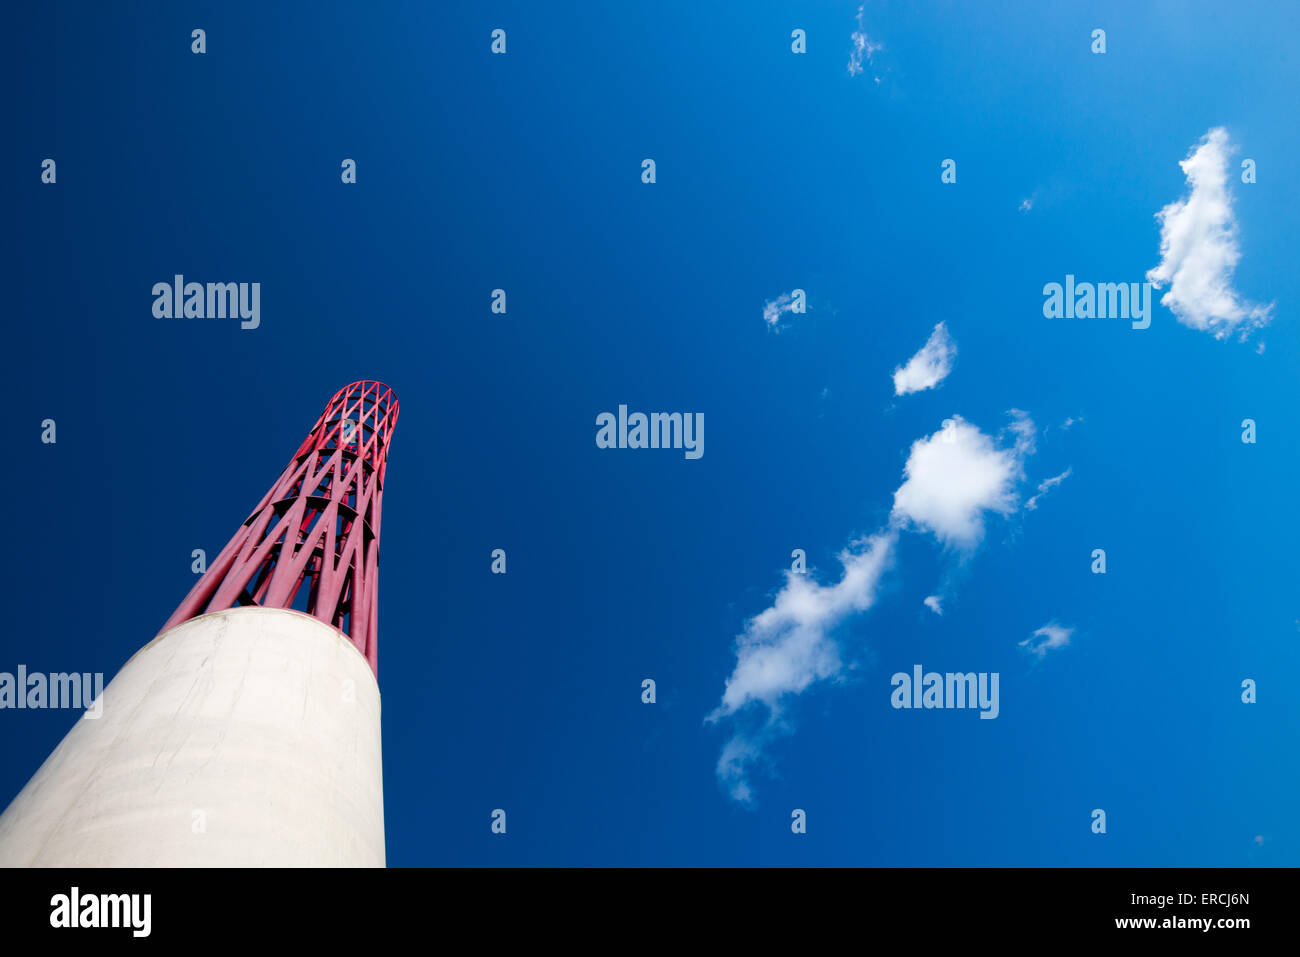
(774, 171)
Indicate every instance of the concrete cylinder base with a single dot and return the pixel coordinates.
(247, 737)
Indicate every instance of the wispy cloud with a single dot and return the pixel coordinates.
(1046, 486)
(951, 479)
(933, 603)
(1048, 638)
(1199, 247)
(930, 366)
(774, 309)
(789, 646)
(864, 48)
(1026, 204)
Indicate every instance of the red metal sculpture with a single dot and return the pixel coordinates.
(313, 541)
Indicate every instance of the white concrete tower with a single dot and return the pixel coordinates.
(247, 732)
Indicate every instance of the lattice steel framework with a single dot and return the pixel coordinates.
(313, 541)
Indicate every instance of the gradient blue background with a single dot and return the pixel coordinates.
(522, 171)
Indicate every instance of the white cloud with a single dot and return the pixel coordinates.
(1026, 204)
(789, 646)
(775, 308)
(928, 367)
(1046, 486)
(737, 756)
(863, 48)
(951, 479)
(956, 475)
(1047, 638)
(1022, 426)
(1199, 248)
